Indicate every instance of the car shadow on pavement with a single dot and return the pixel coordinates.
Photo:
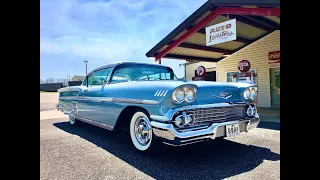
(269, 125)
(214, 159)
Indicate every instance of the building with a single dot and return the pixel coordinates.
(257, 45)
(77, 78)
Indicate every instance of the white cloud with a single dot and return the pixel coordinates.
(116, 30)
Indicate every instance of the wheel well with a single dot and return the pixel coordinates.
(125, 116)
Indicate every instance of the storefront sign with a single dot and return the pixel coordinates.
(274, 59)
(199, 74)
(222, 32)
(201, 70)
(244, 66)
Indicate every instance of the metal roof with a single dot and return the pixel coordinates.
(249, 29)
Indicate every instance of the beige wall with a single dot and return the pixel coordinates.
(257, 54)
(191, 67)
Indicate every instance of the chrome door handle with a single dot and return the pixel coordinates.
(86, 90)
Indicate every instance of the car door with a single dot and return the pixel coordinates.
(92, 104)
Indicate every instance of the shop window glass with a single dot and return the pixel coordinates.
(229, 75)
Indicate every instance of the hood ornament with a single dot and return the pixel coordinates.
(223, 95)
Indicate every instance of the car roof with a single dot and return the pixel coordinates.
(121, 63)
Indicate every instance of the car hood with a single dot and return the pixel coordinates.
(216, 92)
(208, 92)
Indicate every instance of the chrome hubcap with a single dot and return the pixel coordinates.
(142, 130)
(72, 118)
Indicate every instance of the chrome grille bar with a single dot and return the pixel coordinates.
(218, 114)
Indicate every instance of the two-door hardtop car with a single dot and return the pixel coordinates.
(155, 106)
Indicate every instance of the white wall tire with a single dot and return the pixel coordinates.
(141, 131)
(72, 118)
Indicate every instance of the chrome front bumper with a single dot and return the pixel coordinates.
(168, 134)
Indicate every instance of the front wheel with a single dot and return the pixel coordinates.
(141, 132)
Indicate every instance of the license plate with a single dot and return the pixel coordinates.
(232, 130)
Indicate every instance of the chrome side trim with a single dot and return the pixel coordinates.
(68, 98)
(120, 100)
(155, 94)
(66, 89)
(161, 93)
(165, 93)
(132, 101)
(93, 99)
(95, 123)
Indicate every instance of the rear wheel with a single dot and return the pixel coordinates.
(72, 118)
(141, 132)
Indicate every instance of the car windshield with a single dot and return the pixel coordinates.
(138, 72)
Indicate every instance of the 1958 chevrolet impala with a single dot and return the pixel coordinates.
(155, 106)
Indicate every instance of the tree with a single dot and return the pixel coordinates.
(49, 80)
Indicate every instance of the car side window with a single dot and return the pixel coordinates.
(98, 77)
(84, 83)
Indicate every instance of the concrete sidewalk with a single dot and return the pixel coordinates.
(52, 114)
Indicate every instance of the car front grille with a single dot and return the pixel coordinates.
(218, 114)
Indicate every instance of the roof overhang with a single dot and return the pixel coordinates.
(255, 19)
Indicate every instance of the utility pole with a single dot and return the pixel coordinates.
(85, 61)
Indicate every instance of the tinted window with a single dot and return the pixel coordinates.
(98, 77)
(134, 72)
(84, 83)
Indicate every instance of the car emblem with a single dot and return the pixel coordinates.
(223, 95)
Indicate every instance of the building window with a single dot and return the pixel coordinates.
(229, 75)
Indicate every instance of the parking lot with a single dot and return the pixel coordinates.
(88, 152)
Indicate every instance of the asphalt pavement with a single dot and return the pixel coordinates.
(89, 152)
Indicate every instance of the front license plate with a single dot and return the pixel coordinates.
(232, 130)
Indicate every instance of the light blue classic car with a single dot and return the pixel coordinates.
(155, 106)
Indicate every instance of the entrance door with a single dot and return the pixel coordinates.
(275, 87)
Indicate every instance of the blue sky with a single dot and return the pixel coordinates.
(103, 32)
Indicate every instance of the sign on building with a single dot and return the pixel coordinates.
(222, 32)
(199, 73)
(274, 59)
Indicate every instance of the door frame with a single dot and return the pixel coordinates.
(270, 93)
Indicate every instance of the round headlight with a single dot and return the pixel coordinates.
(179, 95)
(253, 93)
(190, 95)
(247, 93)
